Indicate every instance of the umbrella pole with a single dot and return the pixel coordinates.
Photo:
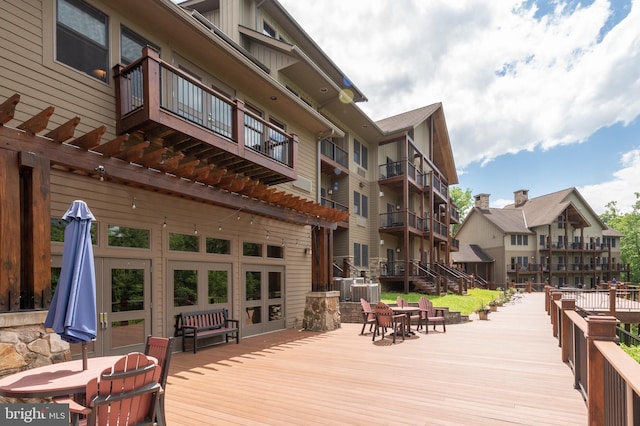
(84, 355)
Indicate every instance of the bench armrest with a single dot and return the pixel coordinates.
(234, 321)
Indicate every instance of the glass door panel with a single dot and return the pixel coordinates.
(125, 315)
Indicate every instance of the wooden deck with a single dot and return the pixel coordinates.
(505, 371)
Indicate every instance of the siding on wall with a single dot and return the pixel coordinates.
(111, 205)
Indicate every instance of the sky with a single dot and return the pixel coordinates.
(542, 95)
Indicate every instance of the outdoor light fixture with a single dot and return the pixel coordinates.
(100, 169)
(397, 249)
(133, 203)
(164, 224)
(195, 229)
(307, 250)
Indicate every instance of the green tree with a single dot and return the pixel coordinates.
(627, 224)
(463, 201)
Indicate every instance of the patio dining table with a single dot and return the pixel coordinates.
(407, 310)
(64, 378)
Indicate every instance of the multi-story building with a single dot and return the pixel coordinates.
(555, 238)
(223, 155)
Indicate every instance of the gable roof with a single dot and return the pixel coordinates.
(442, 152)
(471, 253)
(407, 120)
(507, 220)
(545, 209)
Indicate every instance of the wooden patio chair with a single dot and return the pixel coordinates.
(387, 319)
(368, 316)
(161, 349)
(428, 315)
(124, 395)
(401, 302)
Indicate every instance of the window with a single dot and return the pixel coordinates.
(184, 242)
(360, 204)
(218, 246)
(360, 254)
(360, 154)
(268, 30)
(252, 249)
(217, 286)
(82, 38)
(120, 236)
(356, 202)
(276, 252)
(131, 45)
(57, 231)
(519, 240)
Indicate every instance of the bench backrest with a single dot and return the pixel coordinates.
(215, 318)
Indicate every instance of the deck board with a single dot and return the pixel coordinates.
(505, 371)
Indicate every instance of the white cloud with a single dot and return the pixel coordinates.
(508, 81)
(622, 187)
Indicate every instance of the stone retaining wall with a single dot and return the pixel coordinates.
(25, 343)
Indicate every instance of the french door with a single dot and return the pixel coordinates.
(124, 305)
(262, 299)
(123, 295)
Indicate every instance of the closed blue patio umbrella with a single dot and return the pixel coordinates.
(73, 311)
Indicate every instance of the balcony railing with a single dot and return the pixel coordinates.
(440, 187)
(440, 228)
(575, 246)
(334, 152)
(213, 128)
(391, 170)
(391, 220)
(334, 205)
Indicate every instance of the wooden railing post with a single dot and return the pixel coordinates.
(612, 300)
(546, 298)
(566, 337)
(555, 295)
(598, 328)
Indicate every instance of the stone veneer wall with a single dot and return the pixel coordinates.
(25, 343)
(322, 311)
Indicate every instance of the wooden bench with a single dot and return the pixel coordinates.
(204, 324)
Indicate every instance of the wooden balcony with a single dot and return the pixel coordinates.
(505, 371)
(187, 122)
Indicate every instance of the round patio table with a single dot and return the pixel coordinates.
(407, 310)
(64, 378)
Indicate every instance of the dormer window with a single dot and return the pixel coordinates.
(268, 30)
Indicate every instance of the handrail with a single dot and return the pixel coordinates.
(608, 377)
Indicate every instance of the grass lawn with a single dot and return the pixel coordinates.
(466, 304)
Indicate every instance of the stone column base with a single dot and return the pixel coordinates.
(322, 311)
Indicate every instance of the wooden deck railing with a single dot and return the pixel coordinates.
(608, 378)
(151, 84)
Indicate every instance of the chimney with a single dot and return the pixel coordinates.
(520, 197)
(482, 201)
